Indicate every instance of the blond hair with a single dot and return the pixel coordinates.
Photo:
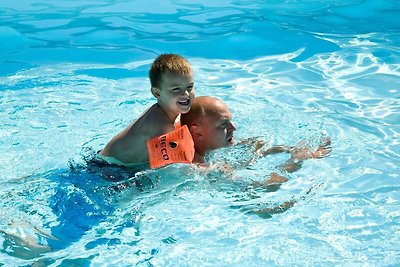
(168, 62)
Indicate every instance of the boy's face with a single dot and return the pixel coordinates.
(218, 129)
(175, 93)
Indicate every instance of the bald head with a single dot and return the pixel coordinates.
(202, 107)
(209, 122)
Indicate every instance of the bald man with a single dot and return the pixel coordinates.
(210, 124)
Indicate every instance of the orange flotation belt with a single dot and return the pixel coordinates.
(174, 147)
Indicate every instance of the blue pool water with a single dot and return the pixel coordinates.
(73, 74)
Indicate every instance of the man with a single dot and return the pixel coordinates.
(210, 124)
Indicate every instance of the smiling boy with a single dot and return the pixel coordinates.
(172, 84)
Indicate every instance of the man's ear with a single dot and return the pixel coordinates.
(196, 131)
(155, 92)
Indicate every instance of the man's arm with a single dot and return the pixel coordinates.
(301, 153)
(294, 163)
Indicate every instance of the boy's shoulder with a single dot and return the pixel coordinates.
(155, 122)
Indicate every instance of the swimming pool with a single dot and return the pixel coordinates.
(73, 74)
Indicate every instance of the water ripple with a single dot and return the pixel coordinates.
(290, 72)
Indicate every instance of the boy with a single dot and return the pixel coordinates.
(171, 78)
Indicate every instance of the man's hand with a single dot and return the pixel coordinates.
(256, 143)
(272, 184)
(303, 153)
